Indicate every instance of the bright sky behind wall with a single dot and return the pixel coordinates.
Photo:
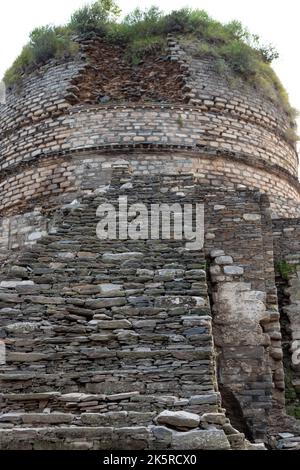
(274, 21)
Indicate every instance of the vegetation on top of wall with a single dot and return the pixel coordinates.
(231, 45)
(95, 18)
(139, 48)
(291, 135)
(45, 43)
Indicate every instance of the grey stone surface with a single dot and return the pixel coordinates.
(223, 260)
(200, 439)
(178, 419)
(233, 270)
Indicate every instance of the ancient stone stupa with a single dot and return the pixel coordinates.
(125, 343)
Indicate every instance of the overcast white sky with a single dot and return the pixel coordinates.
(275, 21)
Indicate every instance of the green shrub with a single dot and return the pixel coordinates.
(178, 22)
(144, 23)
(22, 62)
(204, 49)
(268, 53)
(198, 18)
(94, 18)
(285, 269)
(139, 48)
(45, 43)
(249, 62)
(240, 57)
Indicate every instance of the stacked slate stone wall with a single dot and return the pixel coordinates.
(234, 230)
(106, 341)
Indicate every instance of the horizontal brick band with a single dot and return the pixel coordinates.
(51, 176)
(89, 128)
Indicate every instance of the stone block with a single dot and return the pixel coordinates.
(178, 419)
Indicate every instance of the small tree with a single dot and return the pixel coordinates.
(94, 18)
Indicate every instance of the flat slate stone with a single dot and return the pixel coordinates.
(179, 419)
(113, 324)
(121, 256)
(213, 439)
(233, 270)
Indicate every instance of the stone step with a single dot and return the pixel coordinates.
(75, 438)
(110, 437)
(111, 418)
(150, 387)
(289, 443)
(111, 380)
(93, 343)
(98, 355)
(77, 403)
(69, 317)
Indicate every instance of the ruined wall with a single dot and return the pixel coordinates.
(287, 257)
(111, 74)
(245, 312)
(57, 150)
(103, 336)
(242, 296)
(60, 180)
(237, 133)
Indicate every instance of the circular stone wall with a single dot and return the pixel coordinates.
(49, 141)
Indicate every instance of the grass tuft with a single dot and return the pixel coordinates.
(235, 50)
